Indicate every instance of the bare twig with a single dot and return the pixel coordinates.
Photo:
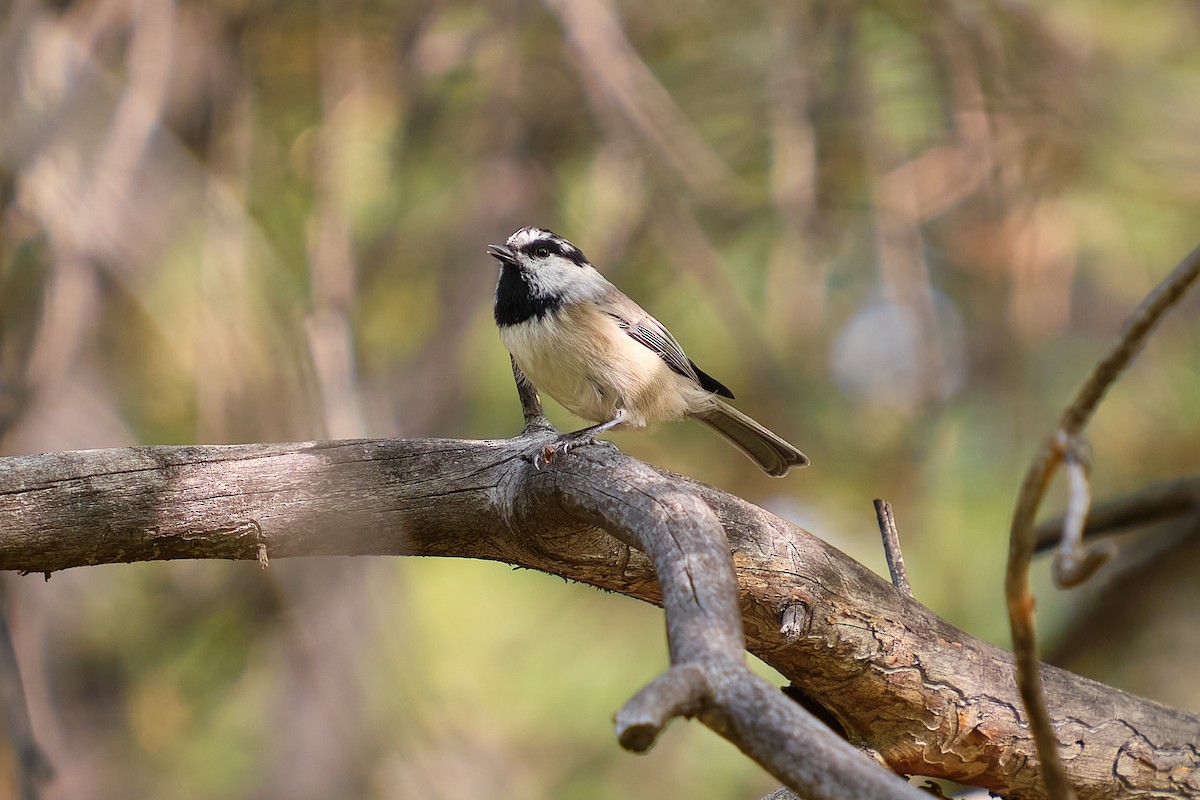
(1054, 450)
(891, 546)
(1153, 503)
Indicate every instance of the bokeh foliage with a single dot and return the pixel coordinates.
(901, 232)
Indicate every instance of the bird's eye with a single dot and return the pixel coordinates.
(542, 252)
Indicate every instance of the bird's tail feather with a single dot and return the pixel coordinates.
(774, 455)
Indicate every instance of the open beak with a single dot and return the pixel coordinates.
(502, 253)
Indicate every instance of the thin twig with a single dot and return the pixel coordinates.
(891, 546)
(1052, 453)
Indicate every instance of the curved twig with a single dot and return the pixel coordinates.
(1060, 446)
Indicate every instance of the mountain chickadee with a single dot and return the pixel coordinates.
(581, 341)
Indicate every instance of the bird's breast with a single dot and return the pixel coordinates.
(580, 357)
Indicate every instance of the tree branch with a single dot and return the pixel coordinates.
(924, 697)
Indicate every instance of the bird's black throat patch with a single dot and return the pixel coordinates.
(516, 302)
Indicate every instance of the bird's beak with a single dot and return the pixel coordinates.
(502, 253)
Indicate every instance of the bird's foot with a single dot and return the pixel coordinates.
(558, 449)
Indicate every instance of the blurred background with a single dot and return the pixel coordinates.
(901, 233)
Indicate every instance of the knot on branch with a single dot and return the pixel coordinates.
(794, 620)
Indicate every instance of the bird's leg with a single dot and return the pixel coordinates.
(569, 441)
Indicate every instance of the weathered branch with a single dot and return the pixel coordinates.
(708, 678)
(681, 534)
(925, 697)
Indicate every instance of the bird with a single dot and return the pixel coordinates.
(578, 338)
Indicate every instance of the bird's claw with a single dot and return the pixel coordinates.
(557, 449)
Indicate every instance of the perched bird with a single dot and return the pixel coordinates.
(580, 340)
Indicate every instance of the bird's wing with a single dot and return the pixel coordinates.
(648, 331)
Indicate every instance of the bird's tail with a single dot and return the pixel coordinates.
(771, 453)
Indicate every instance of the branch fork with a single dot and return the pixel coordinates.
(708, 678)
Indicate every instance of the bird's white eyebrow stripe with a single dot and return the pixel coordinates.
(555, 244)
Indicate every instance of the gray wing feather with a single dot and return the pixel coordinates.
(652, 334)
